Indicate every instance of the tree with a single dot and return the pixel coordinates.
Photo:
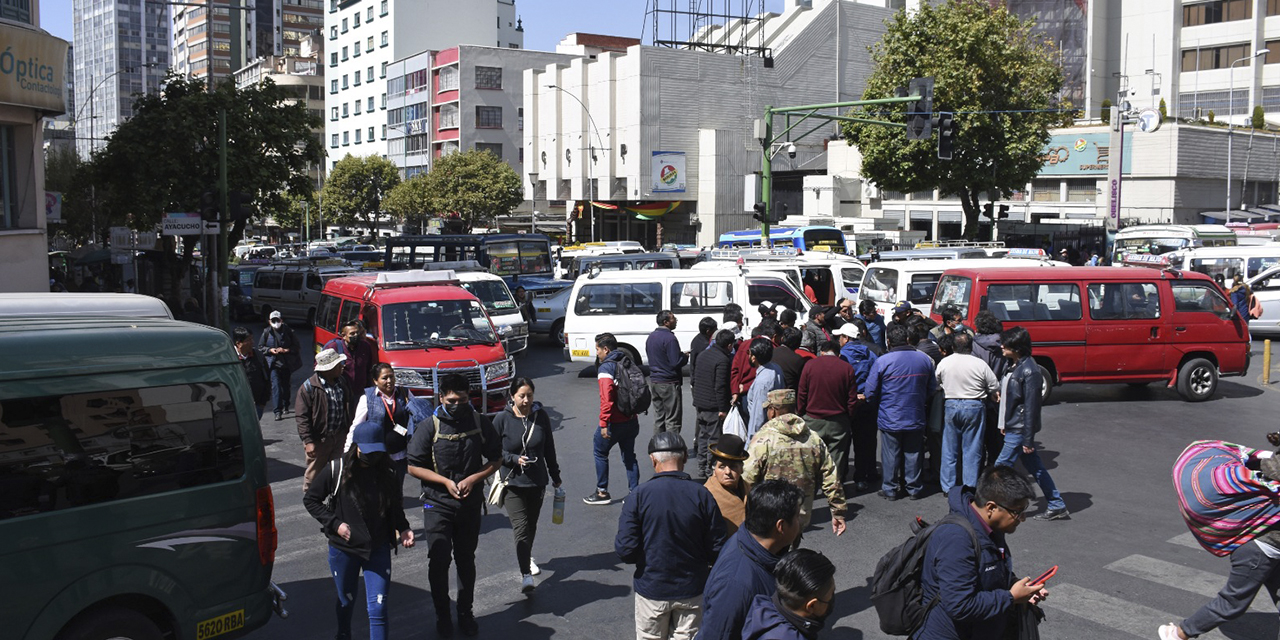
(1105, 112)
(409, 201)
(354, 191)
(297, 209)
(66, 173)
(993, 73)
(1258, 120)
(475, 187)
(1164, 110)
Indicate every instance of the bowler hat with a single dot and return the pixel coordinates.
(730, 447)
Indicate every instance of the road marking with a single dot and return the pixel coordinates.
(1112, 612)
(1187, 539)
(1175, 575)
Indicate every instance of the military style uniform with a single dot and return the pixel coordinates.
(786, 449)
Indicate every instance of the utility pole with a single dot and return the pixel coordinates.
(223, 221)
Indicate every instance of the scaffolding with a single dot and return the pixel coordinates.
(732, 27)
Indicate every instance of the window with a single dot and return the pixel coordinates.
(701, 297)
(355, 19)
(1124, 301)
(333, 59)
(384, 101)
(344, 81)
(494, 148)
(368, 74)
(520, 118)
(448, 79)
(358, 133)
(1198, 297)
(8, 178)
(1220, 269)
(358, 103)
(346, 138)
(921, 289)
(1206, 58)
(488, 117)
(449, 116)
(385, 40)
(370, 107)
(350, 311)
(344, 53)
(775, 291)
(345, 112)
(368, 44)
(488, 77)
(1218, 11)
(333, 86)
(333, 113)
(333, 32)
(370, 134)
(954, 291)
(358, 79)
(383, 73)
(355, 50)
(333, 140)
(384, 7)
(368, 15)
(1032, 301)
(327, 315)
(619, 299)
(344, 25)
(1082, 189)
(1046, 190)
(384, 132)
(79, 449)
(880, 285)
(292, 281)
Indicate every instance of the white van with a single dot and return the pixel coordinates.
(75, 305)
(887, 283)
(833, 276)
(626, 304)
(1227, 264)
(496, 297)
(293, 289)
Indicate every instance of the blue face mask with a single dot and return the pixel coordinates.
(448, 409)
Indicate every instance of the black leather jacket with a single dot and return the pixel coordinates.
(1022, 398)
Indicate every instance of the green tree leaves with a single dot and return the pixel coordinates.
(355, 189)
(472, 187)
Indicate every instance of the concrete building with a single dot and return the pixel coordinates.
(60, 131)
(122, 49)
(237, 37)
(609, 121)
(301, 76)
(28, 94)
(366, 36)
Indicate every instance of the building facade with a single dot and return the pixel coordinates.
(302, 77)
(236, 37)
(60, 131)
(28, 95)
(122, 49)
(365, 36)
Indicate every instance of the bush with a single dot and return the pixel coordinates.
(1258, 121)
(1106, 111)
(1211, 116)
(1164, 110)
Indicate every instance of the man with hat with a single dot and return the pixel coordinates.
(324, 409)
(726, 484)
(786, 449)
(280, 347)
(671, 529)
(856, 352)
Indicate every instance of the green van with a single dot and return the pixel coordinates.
(134, 500)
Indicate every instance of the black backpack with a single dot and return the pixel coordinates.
(895, 586)
(634, 396)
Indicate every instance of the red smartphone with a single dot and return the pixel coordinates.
(1044, 577)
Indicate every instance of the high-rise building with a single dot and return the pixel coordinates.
(122, 49)
(365, 36)
(240, 36)
(301, 75)
(60, 131)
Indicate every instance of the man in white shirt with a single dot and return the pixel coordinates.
(966, 380)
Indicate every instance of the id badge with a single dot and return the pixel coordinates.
(401, 430)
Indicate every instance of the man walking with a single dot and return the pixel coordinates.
(785, 449)
(899, 385)
(827, 398)
(323, 411)
(352, 343)
(451, 453)
(671, 529)
(768, 378)
(745, 567)
(1020, 418)
(615, 427)
(665, 361)
(967, 381)
(284, 356)
(255, 367)
(711, 397)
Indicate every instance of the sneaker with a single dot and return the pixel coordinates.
(1053, 514)
(889, 495)
(467, 622)
(1170, 632)
(917, 496)
(534, 569)
(526, 583)
(598, 497)
(444, 627)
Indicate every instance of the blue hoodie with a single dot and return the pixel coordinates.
(861, 357)
(899, 386)
(975, 599)
(766, 622)
(744, 571)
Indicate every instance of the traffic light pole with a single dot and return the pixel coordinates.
(769, 141)
(224, 292)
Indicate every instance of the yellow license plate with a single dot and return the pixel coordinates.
(581, 352)
(222, 624)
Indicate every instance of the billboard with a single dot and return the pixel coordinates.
(668, 172)
(1082, 154)
(33, 68)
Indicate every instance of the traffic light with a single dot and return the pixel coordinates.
(780, 213)
(209, 206)
(761, 214)
(240, 205)
(1004, 211)
(946, 135)
(920, 112)
(986, 209)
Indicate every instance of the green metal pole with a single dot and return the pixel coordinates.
(223, 221)
(766, 177)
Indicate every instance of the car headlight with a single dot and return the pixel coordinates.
(410, 378)
(498, 370)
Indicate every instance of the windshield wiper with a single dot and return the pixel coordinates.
(420, 343)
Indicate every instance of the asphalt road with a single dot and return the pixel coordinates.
(1127, 560)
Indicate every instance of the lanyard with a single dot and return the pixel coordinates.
(390, 407)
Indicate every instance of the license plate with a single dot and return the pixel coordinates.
(581, 352)
(220, 625)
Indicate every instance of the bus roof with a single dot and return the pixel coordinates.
(1098, 274)
(1189, 229)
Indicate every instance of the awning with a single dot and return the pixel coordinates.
(1234, 215)
(642, 210)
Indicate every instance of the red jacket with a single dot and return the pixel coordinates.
(741, 373)
(609, 412)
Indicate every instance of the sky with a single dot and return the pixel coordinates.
(545, 21)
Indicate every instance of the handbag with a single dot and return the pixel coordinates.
(498, 490)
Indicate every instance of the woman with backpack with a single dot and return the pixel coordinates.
(528, 462)
(357, 500)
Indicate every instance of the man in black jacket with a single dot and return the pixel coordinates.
(1019, 418)
(452, 453)
(255, 368)
(706, 332)
(711, 397)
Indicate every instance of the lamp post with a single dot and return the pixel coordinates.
(1231, 99)
(591, 160)
(533, 202)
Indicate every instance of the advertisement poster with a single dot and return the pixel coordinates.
(668, 172)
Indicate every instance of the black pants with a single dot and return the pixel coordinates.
(523, 505)
(836, 432)
(992, 440)
(1251, 571)
(707, 435)
(455, 533)
(864, 445)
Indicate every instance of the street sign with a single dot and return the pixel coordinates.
(210, 228)
(181, 224)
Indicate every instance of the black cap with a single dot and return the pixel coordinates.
(667, 441)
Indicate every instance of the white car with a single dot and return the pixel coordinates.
(1266, 287)
(549, 312)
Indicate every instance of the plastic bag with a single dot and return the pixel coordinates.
(734, 424)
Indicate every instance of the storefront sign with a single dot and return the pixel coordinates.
(52, 206)
(668, 172)
(1081, 154)
(33, 68)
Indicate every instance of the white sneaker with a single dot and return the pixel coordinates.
(533, 567)
(526, 583)
(1169, 632)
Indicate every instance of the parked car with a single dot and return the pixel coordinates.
(293, 289)
(1266, 287)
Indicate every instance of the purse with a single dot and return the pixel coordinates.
(498, 489)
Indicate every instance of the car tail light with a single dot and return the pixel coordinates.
(266, 526)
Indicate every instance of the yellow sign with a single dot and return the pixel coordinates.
(220, 625)
(581, 352)
(33, 69)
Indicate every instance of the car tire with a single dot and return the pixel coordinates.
(1046, 385)
(557, 331)
(112, 624)
(1197, 380)
(631, 353)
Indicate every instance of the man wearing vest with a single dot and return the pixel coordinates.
(351, 342)
(452, 452)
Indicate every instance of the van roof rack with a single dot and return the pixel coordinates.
(413, 278)
(958, 244)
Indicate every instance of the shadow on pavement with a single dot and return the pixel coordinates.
(278, 471)
(1153, 392)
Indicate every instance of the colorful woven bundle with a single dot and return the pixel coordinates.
(1223, 502)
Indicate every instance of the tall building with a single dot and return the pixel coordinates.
(366, 36)
(301, 75)
(60, 131)
(122, 49)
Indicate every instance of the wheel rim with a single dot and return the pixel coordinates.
(1201, 381)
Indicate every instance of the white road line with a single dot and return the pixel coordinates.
(1111, 612)
(1187, 539)
(1174, 575)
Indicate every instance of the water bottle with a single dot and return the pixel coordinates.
(557, 507)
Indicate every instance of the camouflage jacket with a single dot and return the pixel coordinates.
(786, 449)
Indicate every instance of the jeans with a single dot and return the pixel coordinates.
(280, 391)
(708, 434)
(668, 406)
(624, 435)
(1013, 451)
(377, 582)
(523, 505)
(1251, 570)
(902, 447)
(836, 432)
(455, 533)
(962, 435)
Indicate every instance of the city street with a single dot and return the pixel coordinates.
(1128, 563)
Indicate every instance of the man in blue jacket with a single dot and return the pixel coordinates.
(745, 567)
(899, 384)
(665, 361)
(976, 591)
(671, 529)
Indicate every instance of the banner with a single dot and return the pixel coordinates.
(33, 69)
(52, 206)
(668, 172)
(1083, 154)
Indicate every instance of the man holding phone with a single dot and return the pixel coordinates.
(973, 590)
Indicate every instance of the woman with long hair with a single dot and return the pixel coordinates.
(528, 463)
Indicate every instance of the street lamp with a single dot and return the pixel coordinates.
(533, 202)
(591, 152)
(1231, 99)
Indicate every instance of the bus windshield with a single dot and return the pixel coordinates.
(505, 255)
(830, 239)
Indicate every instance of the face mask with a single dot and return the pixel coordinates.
(277, 323)
(373, 459)
(450, 409)
(831, 607)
